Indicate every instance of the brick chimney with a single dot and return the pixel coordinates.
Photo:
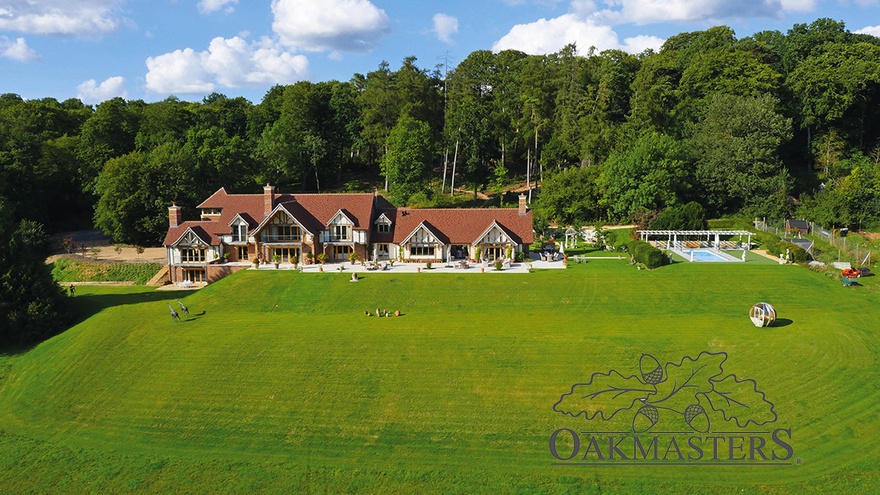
(523, 208)
(268, 199)
(174, 215)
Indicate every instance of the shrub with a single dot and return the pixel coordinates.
(428, 265)
(68, 270)
(520, 256)
(498, 265)
(646, 254)
(691, 216)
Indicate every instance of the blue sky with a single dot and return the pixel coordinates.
(149, 49)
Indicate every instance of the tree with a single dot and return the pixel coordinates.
(652, 174)
(570, 197)
(736, 146)
(407, 163)
(840, 88)
(690, 216)
(32, 306)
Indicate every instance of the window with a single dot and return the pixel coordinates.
(194, 275)
(341, 233)
(421, 251)
(283, 233)
(239, 233)
(192, 255)
(242, 253)
(382, 251)
(285, 254)
(383, 228)
(341, 252)
(493, 253)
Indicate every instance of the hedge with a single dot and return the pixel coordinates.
(774, 245)
(646, 254)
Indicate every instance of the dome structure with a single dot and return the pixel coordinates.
(762, 314)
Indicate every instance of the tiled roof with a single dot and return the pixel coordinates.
(458, 225)
(207, 231)
(314, 211)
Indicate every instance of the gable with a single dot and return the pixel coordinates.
(340, 218)
(423, 234)
(281, 216)
(495, 234)
(190, 238)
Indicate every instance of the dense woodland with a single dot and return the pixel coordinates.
(771, 125)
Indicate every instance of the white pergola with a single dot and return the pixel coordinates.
(672, 236)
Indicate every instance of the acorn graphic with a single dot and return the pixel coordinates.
(652, 373)
(695, 416)
(645, 419)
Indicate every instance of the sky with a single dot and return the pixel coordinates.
(95, 50)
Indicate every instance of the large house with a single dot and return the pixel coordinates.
(235, 229)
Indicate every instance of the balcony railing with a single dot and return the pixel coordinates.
(281, 238)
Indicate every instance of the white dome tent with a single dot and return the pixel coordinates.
(762, 314)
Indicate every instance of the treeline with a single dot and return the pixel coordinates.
(759, 126)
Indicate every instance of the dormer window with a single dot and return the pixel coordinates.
(210, 213)
(239, 233)
(383, 224)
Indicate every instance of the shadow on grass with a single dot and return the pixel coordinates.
(782, 322)
(194, 317)
(87, 305)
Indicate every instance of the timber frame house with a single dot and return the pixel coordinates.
(235, 229)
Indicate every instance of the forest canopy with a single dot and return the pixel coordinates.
(773, 124)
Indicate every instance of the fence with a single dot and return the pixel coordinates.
(830, 244)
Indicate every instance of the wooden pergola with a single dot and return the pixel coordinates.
(672, 237)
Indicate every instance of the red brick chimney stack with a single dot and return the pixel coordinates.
(523, 208)
(174, 215)
(268, 199)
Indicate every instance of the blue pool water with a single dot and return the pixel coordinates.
(703, 255)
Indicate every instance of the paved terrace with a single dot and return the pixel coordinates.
(399, 267)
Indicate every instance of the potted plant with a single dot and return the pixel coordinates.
(428, 265)
(309, 258)
(498, 265)
(226, 257)
(295, 260)
(322, 258)
(509, 254)
(256, 263)
(477, 252)
(352, 257)
(276, 259)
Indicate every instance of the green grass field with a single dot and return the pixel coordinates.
(277, 382)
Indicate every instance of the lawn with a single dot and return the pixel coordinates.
(277, 382)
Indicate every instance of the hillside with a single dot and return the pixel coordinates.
(277, 382)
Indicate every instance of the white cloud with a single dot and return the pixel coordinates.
(16, 50)
(652, 11)
(872, 30)
(326, 25)
(583, 8)
(638, 44)
(208, 6)
(445, 26)
(230, 63)
(798, 5)
(92, 92)
(549, 36)
(61, 17)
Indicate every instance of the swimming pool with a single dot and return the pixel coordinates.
(706, 255)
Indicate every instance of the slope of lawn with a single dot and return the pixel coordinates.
(278, 382)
